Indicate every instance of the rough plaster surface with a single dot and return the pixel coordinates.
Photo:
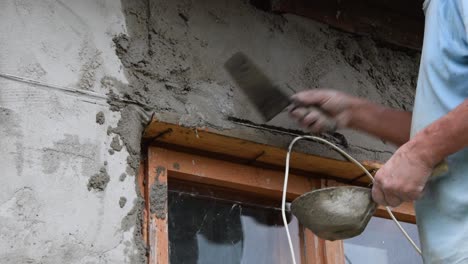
(173, 56)
(163, 56)
(50, 143)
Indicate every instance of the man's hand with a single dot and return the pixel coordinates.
(333, 104)
(350, 112)
(402, 178)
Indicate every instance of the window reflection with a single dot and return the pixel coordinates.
(207, 230)
(383, 243)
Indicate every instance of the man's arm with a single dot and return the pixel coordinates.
(445, 136)
(404, 176)
(385, 123)
(352, 112)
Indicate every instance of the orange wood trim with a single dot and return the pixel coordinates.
(214, 141)
(164, 163)
(405, 212)
(143, 192)
(199, 169)
(315, 248)
(302, 245)
(334, 252)
(158, 227)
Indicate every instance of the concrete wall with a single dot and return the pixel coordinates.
(64, 178)
(50, 142)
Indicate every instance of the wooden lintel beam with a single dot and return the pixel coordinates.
(209, 140)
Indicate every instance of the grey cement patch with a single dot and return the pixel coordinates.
(176, 166)
(130, 129)
(115, 144)
(109, 130)
(33, 70)
(99, 181)
(130, 171)
(158, 196)
(133, 162)
(122, 177)
(134, 218)
(70, 151)
(122, 202)
(158, 200)
(92, 61)
(10, 128)
(100, 118)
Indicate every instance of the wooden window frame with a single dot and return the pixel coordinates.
(212, 158)
(163, 163)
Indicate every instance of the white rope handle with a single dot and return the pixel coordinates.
(357, 163)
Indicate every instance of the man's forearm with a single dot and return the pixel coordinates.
(382, 122)
(443, 137)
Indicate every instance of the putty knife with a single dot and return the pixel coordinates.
(267, 98)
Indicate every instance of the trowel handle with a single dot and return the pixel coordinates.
(439, 170)
(330, 123)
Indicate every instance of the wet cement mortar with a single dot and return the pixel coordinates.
(173, 56)
(158, 196)
(134, 219)
(100, 118)
(122, 202)
(99, 181)
(115, 144)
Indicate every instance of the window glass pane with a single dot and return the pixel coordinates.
(382, 242)
(209, 230)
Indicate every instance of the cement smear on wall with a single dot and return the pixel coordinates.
(158, 196)
(174, 52)
(100, 118)
(130, 129)
(134, 219)
(99, 180)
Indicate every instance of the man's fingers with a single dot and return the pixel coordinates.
(299, 113)
(410, 194)
(312, 121)
(392, 200)
(312, 97)
(384, 198)
(322, 124)
(377, 195)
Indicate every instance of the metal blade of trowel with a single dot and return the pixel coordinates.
(267, 98)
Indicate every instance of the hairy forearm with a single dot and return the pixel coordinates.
(443, 137)
(385, 123)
